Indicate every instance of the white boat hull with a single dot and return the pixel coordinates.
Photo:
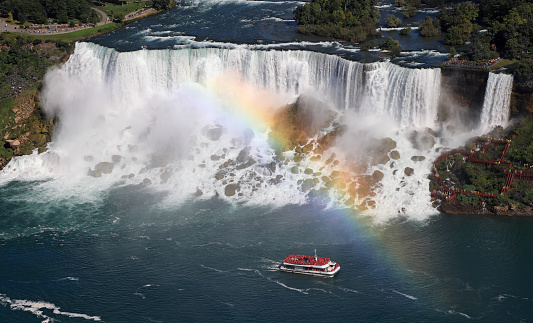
(297, 270)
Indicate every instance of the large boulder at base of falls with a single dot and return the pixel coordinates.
(379, 152)
(377, 176)
(294, 124)
(104, 167)
(418, 158)
(328, 140)
(422, 140)
(231, 189)
(213, 133)
(395, 154)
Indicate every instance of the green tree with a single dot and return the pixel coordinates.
(428, 28)
(391, 45)
(393, 21)
(405, 31)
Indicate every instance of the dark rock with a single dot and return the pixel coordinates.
(116, 158)
(408, 171)
(165, 176)
(418, 158)
(308, 184)
(395, 154)
(104, 167)
(244, 154)
(198, 192)
(230, 189)
(377, 176)
(213, 134)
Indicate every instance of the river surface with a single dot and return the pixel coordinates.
(140, 245)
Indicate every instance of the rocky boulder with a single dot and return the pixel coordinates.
(104, 167)
(231, 189)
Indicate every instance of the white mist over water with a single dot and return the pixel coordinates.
(173, 119)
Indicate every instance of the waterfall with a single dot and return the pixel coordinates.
(496, 105)
(172, 119)
(408, 96)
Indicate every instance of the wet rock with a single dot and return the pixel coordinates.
(271, 167)
(295, 170)
(213, 134)
(198, 192)
(215, 157)
(377, 176)
(395, 154)
(379, 153)
(418, 158)
(94, 173)
(244, 155)
(422, 140)
(104, 167)
(158, 161)
(147, 181)
(230, 189)
(308, 184)
(116, 158)
(308, 171)
(408, 171)
(220, 175)
(165, 176)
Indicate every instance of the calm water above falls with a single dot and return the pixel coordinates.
(139, 245)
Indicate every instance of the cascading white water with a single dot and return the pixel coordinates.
(496, 105)
(169, 118)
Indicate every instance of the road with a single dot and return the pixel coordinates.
(53, 28)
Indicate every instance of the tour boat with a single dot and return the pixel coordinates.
(310, 265)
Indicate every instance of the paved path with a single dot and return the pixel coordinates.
(57, 29)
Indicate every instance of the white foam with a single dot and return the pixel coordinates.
(38, 308)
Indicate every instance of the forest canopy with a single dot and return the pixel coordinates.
(352, 20)
(38, 11)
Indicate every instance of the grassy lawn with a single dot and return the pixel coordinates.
(111, 9)
(80, 34)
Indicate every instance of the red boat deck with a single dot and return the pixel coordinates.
(306, 260)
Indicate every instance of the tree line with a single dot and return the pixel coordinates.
(39, 11)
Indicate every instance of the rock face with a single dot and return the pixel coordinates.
(522, 96)
(13, 144)
(462, 95)
(297, 122)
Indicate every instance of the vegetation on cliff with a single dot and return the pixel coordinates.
(23, 63)
(351, 20)
(488, 175)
